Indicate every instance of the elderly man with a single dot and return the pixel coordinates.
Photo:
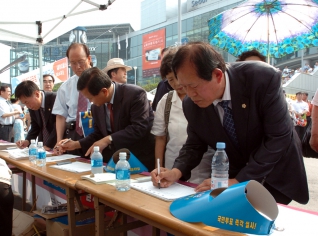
(69, 102)
(48, 83)
(262, 144)
(117, 70)
(122, 118)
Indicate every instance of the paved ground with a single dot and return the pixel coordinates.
(311, 165)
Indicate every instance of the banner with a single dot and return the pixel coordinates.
(59, 69)
(152, 43)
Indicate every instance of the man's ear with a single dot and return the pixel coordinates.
(104, 91)
(37, 93)
(218, 74)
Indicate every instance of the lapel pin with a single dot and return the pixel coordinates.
(244, 105)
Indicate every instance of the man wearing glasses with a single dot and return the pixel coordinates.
(69, 102)
(48, 83)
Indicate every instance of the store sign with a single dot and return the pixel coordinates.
(195, 4)
(152, 44)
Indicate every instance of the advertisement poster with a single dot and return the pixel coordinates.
(152, 43)
(59, 69)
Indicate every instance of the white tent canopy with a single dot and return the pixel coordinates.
(40, 21)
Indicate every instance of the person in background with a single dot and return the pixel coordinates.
(18, 127)
(6, 199)
(69, 102)
(314, 123)
(122, 118)
(242, 105)
(163, 86)
(117, 70)
(40, 106)
(167, 147)
(48, 83)
(7, 113)
(252, 55)
(304, 97)
(300, 109)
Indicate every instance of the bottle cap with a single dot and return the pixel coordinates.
(32, 140)
(220, 145)
(96, 148)
(122, 155)
(40, 144)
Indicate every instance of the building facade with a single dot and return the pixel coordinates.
(141, 49)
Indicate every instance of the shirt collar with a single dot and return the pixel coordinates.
(112, 100)
(43, 100)
(227, 92)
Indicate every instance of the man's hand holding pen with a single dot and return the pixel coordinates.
(22, 144)
(165, 178)
(65, 145)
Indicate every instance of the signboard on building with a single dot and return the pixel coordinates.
(152, 43)
(59, 69)
(195, 4)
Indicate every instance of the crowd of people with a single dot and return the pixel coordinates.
(200, 101)
(288, 73)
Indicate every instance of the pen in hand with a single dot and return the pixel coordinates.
(63, 143)
(66, 141)
(158, 168)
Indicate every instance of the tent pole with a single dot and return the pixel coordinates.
(40, 65)
(268, 60)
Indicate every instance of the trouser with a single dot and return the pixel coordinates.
(5, 132)
(300, 131)
(6, 209)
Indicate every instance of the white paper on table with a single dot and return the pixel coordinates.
(60, 158)
(76, 167)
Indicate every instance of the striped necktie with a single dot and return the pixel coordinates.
(228, 122)
(45, 133)
(81, 106)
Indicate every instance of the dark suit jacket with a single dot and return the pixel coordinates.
(37, 124)
(269, 148)
(133, 120)
(162, 88)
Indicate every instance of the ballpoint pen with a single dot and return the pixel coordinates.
(158, 167)
(63, 143)
(66, 141)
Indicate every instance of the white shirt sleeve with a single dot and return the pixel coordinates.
(315, 99)
(158, 128)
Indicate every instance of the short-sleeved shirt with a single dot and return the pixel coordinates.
(315, 99)
(66, 100)
(5, 107)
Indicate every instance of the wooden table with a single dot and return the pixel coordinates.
(143, 207)
(64, 179)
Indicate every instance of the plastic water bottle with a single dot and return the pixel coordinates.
(41, 157)
(96, 161)
(220, 168)
(33, 151)
(122, 169)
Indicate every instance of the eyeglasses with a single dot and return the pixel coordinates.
(81, 63)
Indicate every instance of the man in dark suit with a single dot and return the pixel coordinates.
(40, 106)
(264, 147)
(126, 125)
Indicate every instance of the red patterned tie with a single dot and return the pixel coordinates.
(44, 130)
(81, 106)
(111, 116)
